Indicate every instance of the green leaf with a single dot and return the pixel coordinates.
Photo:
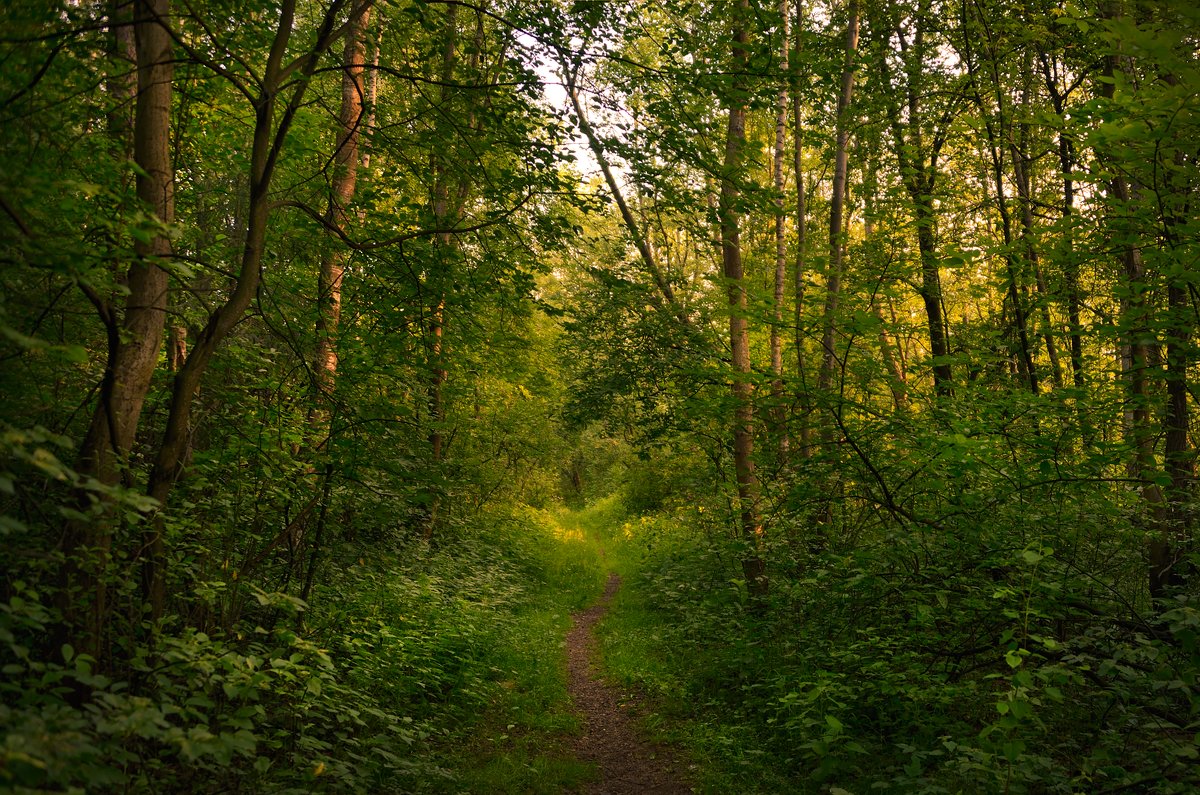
(1013, 750)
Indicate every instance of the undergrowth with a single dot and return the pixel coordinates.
(916, 662)
(439, 670)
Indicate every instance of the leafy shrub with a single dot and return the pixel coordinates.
(972, 659)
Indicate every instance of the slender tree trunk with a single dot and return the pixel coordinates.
(147, 303)
(444, 216)
(919, 172)
(1020, 315)
(837, 203)
(1022, 163)
(346, 159)
(122, 83)
(1135, 322)
(1140, 434)
(998, 130)
(753, 565)
(897, 380)
(640, 241)
(372, 98)
(345, 176)
(779, 415)
(1166, 549)
(1066, 165)
(176, 346)
(800, 268)
(1012, 265)
(1169, 567)
(931, 286)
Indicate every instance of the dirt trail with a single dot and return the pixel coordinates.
(628, 764)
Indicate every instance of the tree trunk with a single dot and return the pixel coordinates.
(779, 415)
(1066, 165)
(332, 270)
(897, 380)
(444, 216)
(1166, 549)
(1012, 264)
(640, 242)
(269, 138)
(753, 565)
(837, 203)
(345, 175)
(918, 165)
(134, 350)
(931, 286)
(1135, 324)
(800, 275)
(1169, 567)
(1022, 163)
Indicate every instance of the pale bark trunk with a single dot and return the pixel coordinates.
(800, 273)
(779, 415)
(332, 269)
(640, 241)
(345, 176)
(837, 203)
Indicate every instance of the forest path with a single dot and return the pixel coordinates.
(627, 762)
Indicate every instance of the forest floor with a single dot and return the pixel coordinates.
(626, 761)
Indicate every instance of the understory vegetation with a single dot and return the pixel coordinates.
(995, 650)
(436, 670)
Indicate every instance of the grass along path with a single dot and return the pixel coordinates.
(554, 722)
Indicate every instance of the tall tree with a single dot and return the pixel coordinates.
(135, 331)
(346, 160)
(753, 565)
(281, 89)
(837, 204)
(800, 267)
(571, 75)
(781, 270)
(918, 137)
(1056, 77)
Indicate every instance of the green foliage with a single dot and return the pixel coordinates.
(410, 657)
(197, 714)
(958, 659)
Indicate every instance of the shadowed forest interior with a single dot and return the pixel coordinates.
(348, 347)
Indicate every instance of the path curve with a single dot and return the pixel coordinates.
(628, 764)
